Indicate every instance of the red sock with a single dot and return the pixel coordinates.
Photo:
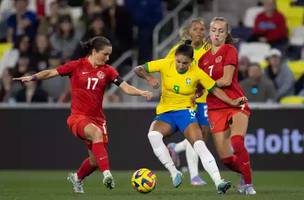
(85, 169)
(232, 163)
(101, 156)
(237, 142)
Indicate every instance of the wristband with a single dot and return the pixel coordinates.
(34, 78)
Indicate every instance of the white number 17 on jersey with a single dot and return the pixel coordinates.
(92, 82)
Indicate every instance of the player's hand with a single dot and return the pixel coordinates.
(193, 98)
(147, 94)
(239, 101)
(153, 82)
(24, 79)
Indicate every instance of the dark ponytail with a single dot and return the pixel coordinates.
(185, 49)
(98, 43)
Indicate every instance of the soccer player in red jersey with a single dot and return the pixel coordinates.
(89, 77)
(221, 63)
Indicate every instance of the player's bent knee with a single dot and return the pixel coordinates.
(154, 134)
(92, 162)
(96, 136)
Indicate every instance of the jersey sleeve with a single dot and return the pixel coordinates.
(231, 57)
(206, 81)
(67, 68)
(200, 62)
(113, 74)
(156, 65)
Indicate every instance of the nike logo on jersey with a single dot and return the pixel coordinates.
(102, 158)
(85, 72)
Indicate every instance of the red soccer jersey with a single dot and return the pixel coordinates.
(214, 66)
(87, 86)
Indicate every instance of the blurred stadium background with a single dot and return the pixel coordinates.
(34, 135)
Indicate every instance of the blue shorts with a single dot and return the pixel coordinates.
(178, 120)
(201, 114)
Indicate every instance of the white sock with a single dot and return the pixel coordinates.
(106, 173)
(208, 161)
(192, 160)
(181, 146)
(161, 151)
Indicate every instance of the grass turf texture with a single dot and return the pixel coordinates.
(45, 185)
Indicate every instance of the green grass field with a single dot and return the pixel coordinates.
(45, 185)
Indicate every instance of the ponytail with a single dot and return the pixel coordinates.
(98, 43)
(230, 39)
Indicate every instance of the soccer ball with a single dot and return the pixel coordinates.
(143, 180)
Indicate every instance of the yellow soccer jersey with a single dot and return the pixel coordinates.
(198, 52)
(177, 89)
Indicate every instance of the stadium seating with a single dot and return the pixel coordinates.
(297, 68)
(250, 15)
(3, 48)
(297, 36)
(294, 14)
(255, 51)
(292, 100)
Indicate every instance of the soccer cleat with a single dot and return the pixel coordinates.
(223, 187)
(177, 179)
(246, 189)
(173, 154)
(77, 184)
(197, 181)
(108, 181)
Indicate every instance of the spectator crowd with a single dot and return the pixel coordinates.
(41, 34)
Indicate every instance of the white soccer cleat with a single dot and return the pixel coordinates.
(108, 181)
(77, 184)
(198, 181)
(246, 189)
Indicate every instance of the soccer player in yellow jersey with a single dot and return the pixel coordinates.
(194, 31)
(180, 77)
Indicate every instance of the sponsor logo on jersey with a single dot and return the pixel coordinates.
(100, 75)
(218, 59)
(84, 73)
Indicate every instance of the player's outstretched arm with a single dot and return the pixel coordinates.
(219, 93)
(42, 75)
(133, 91)
(151, 80)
